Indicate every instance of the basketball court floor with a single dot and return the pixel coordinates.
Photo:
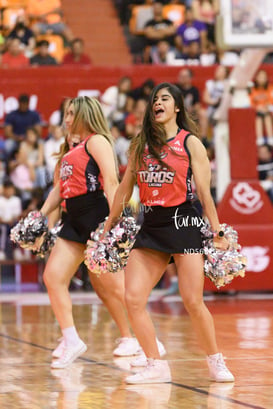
(29, 333)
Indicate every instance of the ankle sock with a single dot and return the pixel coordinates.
(71, 336)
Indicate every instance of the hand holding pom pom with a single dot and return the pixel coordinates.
(30, 231)
(108, 251)
(48, 240)
(222, 263)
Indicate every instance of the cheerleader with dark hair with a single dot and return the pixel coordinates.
(163, 158)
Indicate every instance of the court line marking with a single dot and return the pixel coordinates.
(230, 400)
(105, 364)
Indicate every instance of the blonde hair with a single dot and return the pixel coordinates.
(88, 116)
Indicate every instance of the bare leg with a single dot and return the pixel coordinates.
(191, 284)
(110, 289)
(268, 125)
(143, 271)
(259, 127)
(60, 268)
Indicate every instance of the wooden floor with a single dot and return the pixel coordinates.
(29, 333)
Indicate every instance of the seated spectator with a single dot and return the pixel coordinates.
(156, 30)
(265, 169)
(261, 101)
(14, 57)
(206, 11)
(189, 91)
(133, 122)
(51, 147)
(42, 57)
(192, 54)
(191, 31)
(31, 155)
(47, 16)
(17, 122)
(113, 101)
(21, 178)
(121, 148)
(22, 32)
(142, 92)
(76, 56)
(10, 212)
(213, 92)
(163, 53)
(209, 55)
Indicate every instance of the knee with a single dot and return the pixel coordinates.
(51, 280)
(106, 293)
(134, 302)
(193, 304)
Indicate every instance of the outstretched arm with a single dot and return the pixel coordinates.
(202, 176)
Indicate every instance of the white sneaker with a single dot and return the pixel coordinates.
(69, 355)
(127, 347)
(57, 353)
(141, 360)
(156, 371)
(218, 370)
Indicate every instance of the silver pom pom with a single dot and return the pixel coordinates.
(222, 266)
(111, 253)
(27, 230)
(49, 240)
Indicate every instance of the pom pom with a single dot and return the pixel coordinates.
(27, 230)
(111, 253)
(221, 266)
(49, 240)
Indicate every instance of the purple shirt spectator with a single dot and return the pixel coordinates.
(191, 33)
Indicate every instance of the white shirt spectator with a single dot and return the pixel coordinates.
(52, 146)
(10, 208)
(121, 147)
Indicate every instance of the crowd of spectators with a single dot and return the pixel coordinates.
(27, 166)
(36, 34)
(27, 159)
(185, 38)
(174, 32)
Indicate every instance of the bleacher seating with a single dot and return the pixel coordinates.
(175, 13)
(140, 16)
(56, 45)
(9, 17)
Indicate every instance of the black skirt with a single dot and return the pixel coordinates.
(84, 213)
(171, 230)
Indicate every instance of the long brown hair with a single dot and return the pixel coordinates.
(153, 135)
